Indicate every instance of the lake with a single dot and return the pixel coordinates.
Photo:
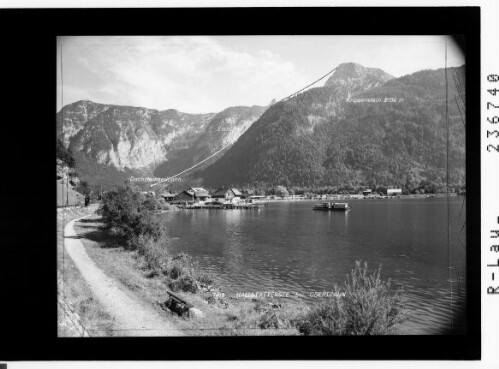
(286, 246)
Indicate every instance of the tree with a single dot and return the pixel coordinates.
(83, 188)
(132, 213)
(64, 154)
(281, 191)
(260, 191)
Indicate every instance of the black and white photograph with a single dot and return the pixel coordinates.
(261, 185)
(253, 184)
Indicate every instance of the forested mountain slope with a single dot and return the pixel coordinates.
(361, 128)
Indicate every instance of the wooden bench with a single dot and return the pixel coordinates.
(177, 305)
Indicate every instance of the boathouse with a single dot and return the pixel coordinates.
(193, 194)
(183, 197)
(227, 194)
(201, 196)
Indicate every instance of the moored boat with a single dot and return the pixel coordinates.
(332, 206)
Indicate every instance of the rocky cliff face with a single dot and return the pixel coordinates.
(126, 137)
(363, 126)
(118, 141)
(224, 129)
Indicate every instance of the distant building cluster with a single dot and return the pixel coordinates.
(199, 195)
(232, 195)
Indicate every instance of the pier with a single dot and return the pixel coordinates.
(224, 206)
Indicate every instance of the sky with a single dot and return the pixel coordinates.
(206, 74)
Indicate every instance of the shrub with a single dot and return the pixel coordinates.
(188, 284)
(369, 307)
(185, 283)
(133, 213)
(178, 270)
(265, 318)
(65, 154)
(205, 278)
(148, 224)
(154, 253)
(183, 256)
(276, 319)
(327, 319)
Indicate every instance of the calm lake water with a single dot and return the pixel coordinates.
(287, 246)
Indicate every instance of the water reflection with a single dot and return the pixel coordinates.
(287, 246)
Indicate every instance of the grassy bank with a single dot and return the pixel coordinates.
(73, 289)
(221, 316)
(130, 244)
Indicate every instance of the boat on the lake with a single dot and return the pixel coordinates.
(332, 206)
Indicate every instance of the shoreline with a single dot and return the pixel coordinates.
(362, 197)
(217, 316)
(130, 315)
(217, 313)
(221, 315)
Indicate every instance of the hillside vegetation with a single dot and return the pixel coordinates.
(364, 128)
(335, 136)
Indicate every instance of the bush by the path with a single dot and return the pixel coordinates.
(368, 307)
(134, 215)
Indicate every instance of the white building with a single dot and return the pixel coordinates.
(394, 191)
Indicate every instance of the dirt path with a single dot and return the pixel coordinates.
(131, 316)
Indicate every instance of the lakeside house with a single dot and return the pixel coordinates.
(191, 195)
(183, 197)
(367, 192)
(227, 194)
(192, 190)
(394, 191)
(200, 194)
(168, 196)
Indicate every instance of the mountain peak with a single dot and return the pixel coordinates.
(351, 67)
(354, 70)
(355, 77)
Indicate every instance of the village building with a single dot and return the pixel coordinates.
(257, 197)
(367, 192)
(193, 190)
(227, 194)
(183, 197)
(394, 191)
(167, 196)
(192, 195)
(201, 196)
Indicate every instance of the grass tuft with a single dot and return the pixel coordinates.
(369, 307)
